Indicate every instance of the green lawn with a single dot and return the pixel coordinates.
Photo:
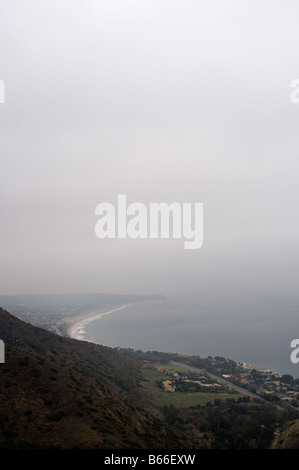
(178, 399)
(185, 400)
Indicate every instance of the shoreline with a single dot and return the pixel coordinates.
(75, 328)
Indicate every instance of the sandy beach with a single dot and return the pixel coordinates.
(76, 325)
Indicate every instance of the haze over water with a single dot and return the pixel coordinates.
(259, 336)
(161, 101)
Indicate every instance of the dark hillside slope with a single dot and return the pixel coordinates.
(60, 392)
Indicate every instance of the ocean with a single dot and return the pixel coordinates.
(258, 336)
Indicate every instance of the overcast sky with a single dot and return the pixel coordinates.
(161, 100)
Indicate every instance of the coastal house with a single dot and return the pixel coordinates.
(168, 386)
(243, 380)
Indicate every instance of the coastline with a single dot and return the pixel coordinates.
(75, 328)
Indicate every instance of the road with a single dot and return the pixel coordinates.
(225, 382)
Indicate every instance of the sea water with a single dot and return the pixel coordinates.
(260, 336)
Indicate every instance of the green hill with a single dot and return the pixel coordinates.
(60, 392)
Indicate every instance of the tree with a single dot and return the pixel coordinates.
(287, 379)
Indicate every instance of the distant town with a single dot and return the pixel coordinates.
(53, 311)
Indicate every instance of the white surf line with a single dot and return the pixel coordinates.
(78, 331)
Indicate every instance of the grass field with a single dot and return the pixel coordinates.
(177, 399)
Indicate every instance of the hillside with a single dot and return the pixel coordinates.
(288, 438)
(60, 392)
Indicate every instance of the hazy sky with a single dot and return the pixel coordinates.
(161, 100)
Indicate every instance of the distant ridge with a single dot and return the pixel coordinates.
(50, 311)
